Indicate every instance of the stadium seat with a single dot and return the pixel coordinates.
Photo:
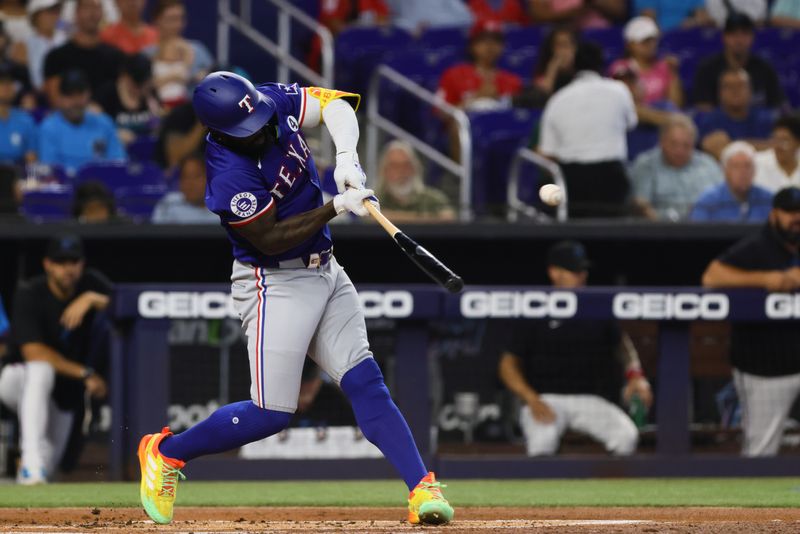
(359, 50)
(496, 136)
(142, 148)
(137, 202)
(50, 203)
(116, 175)
(454, 39)
(524, 37)
(775, 44)
(610, 39)
(520, 61)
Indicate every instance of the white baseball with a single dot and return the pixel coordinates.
(551, 194)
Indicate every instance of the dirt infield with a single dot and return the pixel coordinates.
(473, 520)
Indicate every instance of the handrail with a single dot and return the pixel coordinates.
(376, 121)
(280, 50)
(514, 203)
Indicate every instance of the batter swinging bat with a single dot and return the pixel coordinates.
(426, 261)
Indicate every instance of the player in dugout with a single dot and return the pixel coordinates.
(290, 292)
(564, 371)
(766, 369)
(52, 350)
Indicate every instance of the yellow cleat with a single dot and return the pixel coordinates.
(427, 505)
(159, 478)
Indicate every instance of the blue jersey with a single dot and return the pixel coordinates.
(240, 189)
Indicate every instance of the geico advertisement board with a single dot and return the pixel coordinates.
(219, 305)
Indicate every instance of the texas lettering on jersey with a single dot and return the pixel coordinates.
(299, 153)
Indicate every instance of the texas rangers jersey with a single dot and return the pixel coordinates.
(240, 189)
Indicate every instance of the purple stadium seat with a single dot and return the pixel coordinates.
(495, 138)
(116, 175)
(775, 44)
(524, 37)
(142, 148)
(610, 39)
(443, 38)
(359, 50)
(51, 203)
(520, 61)
(691, 41)
(138, 202)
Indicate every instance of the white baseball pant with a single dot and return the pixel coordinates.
(766, 402)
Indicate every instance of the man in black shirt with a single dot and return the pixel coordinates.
(179, 135)
(84, 52)
(737, 40)
(49, 367)
(766, 365)
(562, 370)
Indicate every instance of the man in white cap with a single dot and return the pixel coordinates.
(46, 35)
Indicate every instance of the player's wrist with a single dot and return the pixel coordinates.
(346, 156)
(338, 204)
(87, 372)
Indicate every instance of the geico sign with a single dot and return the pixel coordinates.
(532, 304)
(782, 306)
(685, 306)
(185, 305)
(389, 304)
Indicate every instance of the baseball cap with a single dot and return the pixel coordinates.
(639, 29)
(34, 6)
(787, 199)
(569, 255)
(486, 28)
(738, 21)
(73, 81)
(64, 247)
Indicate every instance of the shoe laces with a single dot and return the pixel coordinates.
(169, 480)
(434, 488)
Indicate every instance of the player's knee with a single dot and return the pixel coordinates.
(40, 375)
(363, 381)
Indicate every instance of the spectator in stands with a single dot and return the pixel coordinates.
(46, 35)
(766, 369)
(24, 91)
(110, 13)
(672, 14)
(658, 77)
(584, 127)
(402, 190)
(131, 34)
(179, 135)
(778, 167)
(18, 136)
(578, 13)
(336, 15)
(555, 66)
(130, 100)
(737, 118)
(785, 14)
(737, 41)
(737, 199)
(480, 84)
(51, 358)
(416, 16)
(173, 49)
(187, 205)
(668, 178)
(73, 135)
(565, 372)
(172, 65)
(84, 51)
(720, 10)
(17, 25)
(503, 11)
(93, 203)
(10, 191)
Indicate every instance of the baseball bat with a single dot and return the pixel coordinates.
(426, 261)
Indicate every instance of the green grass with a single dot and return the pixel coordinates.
(755, 492)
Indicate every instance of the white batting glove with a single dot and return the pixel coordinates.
(352, 200)
(348, 171)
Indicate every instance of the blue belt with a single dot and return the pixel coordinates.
(314, 260)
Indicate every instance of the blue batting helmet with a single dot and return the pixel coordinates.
(230, 104)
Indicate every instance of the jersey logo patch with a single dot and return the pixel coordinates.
(292, 122)
(244, 204)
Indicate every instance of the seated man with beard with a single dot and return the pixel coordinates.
(404, 196)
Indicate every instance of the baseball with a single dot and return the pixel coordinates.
(551, 194)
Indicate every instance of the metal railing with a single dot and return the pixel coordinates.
(242, 22)
(515, 205)
(378, 123)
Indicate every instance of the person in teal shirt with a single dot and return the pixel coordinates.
(18, 137)
(671, 14)
(74, 136)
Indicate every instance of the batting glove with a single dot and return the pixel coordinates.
(348, 172)
(352, 200)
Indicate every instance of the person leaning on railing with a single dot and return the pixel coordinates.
(766, 369)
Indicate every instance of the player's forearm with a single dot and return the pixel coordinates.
(42, 352)
(514, 380)
(289, 233)
(340, 119)
(719, 275)
(98, 301)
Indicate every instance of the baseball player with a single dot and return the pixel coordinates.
(291, 294)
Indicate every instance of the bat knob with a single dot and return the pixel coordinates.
(454, 284)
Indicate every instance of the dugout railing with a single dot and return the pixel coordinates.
(140, 376)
